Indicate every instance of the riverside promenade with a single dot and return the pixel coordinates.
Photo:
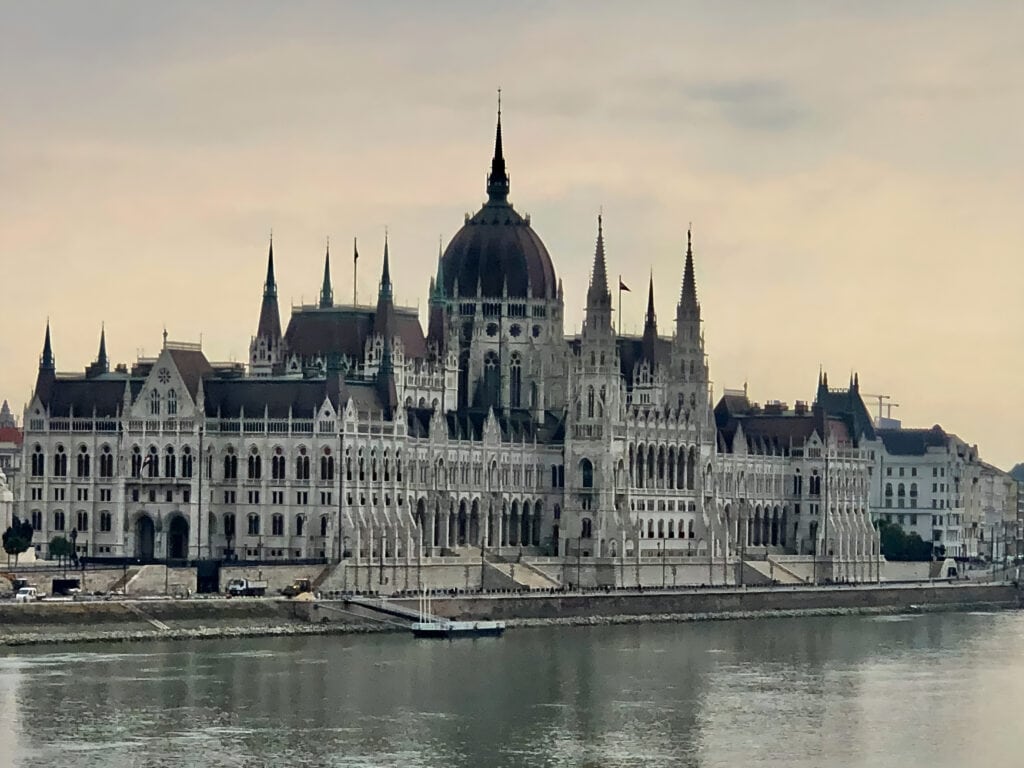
(123, 620)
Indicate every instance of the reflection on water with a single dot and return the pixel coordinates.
(843, 691)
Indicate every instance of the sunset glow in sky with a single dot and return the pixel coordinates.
(853, 173)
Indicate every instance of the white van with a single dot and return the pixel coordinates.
(26, 595)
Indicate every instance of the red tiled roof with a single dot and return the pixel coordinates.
(12, 435)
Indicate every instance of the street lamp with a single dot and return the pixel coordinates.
(74, 550)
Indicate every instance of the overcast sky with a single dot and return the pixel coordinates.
(853, 173)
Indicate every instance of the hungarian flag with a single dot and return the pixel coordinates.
(623, 286)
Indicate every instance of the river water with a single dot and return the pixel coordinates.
(936, 690)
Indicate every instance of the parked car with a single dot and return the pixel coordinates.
(27, 595)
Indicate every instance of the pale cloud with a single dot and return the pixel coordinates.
(852, 172)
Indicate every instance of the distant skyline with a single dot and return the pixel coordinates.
(852, 173)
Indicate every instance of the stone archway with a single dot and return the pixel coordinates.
(145, 536)
(177, 538)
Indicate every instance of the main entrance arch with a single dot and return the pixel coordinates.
(145, 533)
(177, 539)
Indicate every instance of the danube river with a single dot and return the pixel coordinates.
(936, 690)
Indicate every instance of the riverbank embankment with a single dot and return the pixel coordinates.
(178, 619)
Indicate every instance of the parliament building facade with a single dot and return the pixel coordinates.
(354, 436)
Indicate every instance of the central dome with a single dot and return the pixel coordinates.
(497, 250)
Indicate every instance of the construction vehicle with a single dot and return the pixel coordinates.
(298, 587)
(16, 582)
(247, 588)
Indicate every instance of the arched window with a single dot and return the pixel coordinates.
(230, 465)
(154, 403)
(229, 525)
(302, 465)
(323, 525)
(300, 525)
(60, 462)
(327, 466)
(37, 520)
(587, 473)
(661, 529)
(590, 402)
(492, 380)
(586, 528)
(255, 469)
(58, 521)
(277, 525)
(170, 463)
(136, 462)
(373, 465)
(689, 529)
(82, 462)
(106, 462)
(398, 466)
(82, 523)
(172, 402)
(38, 462)
(515, 381)
(348, 464)
(106, 522)
(254, 524)
(153, 462)
(672, 529)
(186, 462)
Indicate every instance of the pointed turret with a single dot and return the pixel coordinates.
(326, 293)
(650, 338)
(599, 299)
(265, 347)
(497, 180)
(102, 363)
(47, 370)
(689, 307)
(46, 361)
(384, 318)
(436, 322)
(6, 417)
(101, 357)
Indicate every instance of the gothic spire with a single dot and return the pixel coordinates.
(599, 300)
(688, 294)
(385, 276)
(650, 338)
(46, 361)
(270, 286)
(497, 180)
(101, 357)
(326, 294)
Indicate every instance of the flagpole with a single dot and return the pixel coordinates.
(620, 306)
(355, 271)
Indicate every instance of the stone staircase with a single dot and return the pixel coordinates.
(161, 580)
(522, 575)
(768, 572)
(123, 581)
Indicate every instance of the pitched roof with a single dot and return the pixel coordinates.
(192, 365)
(103, 394)
(302, 397)
(912, 442)
(12, 435)
(344, 331)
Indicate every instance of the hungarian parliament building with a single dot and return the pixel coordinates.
(355, 435)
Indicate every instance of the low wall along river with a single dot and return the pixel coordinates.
(57, 622)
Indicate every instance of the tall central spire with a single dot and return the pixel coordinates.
(270, 287)
(650, 339)
(688, 294)
(599, 300)
(46, 362)
(497, 180)
(326, 294)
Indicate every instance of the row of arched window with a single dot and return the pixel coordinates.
(171, 402)
(658, 467)
(83, 462)
(254, 525)
(81, 521)
(669, 529)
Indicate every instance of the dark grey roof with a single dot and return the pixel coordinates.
(912, 442)
(344, 331)
(276, 397)
(103, 395)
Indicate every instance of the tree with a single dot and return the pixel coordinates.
(60, 547)
(18, 538)
(897, 545)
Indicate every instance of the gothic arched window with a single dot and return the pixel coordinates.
(154, 403)
(590, 402)
(492, 379)
(515, 381)
(172, 402)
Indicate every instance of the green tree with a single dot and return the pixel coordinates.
(60, 547)
(18, 538)
(897, 545)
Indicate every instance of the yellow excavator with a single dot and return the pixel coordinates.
(298, 587)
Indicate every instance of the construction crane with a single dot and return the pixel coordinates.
(884, 401)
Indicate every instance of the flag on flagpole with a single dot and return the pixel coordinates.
(623, 286)
(355, 250)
